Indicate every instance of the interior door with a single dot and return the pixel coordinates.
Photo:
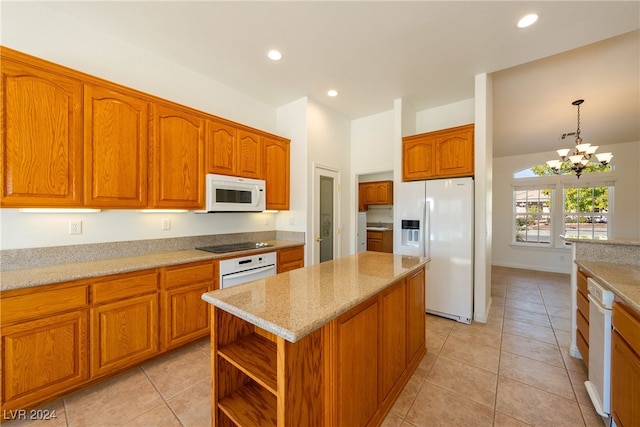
(325, 210)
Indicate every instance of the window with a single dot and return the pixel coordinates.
(582, 210)
(586, 212)
(533, 216)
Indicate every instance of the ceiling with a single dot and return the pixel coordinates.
(425, 52)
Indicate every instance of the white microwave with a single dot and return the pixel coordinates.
(234, 194)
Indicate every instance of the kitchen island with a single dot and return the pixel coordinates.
(329, 344)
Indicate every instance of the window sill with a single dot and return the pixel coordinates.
(535, 247)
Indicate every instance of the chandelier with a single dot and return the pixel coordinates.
(581, 155)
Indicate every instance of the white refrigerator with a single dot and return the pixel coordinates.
(435, 219)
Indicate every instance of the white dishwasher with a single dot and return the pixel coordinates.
(599, 383)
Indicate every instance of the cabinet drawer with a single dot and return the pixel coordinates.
(581, 282)
(42, 303)
(583, 347)
(376, 235)
(583, 304)
(627, 323)
(291, 254)
(183, 275)
(583, 325)
(125, 286)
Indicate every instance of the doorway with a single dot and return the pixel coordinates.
(326, 204)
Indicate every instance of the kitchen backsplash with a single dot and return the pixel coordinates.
(13, 259)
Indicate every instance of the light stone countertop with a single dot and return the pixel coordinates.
(58, 273)
(622, 279)
(294, 304)
(618, 241)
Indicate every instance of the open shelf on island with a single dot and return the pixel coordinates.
(251, 405)
(254, 355)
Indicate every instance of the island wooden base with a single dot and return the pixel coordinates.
(347, 373)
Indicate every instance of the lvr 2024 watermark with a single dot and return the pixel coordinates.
(32, 414)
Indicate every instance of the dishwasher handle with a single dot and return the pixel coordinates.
(598, 305)
(249, 272)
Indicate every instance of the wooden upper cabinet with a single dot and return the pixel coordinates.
(221, 155)
(41, 153)
(445, 153)
(177, 158)
(233, 150)
(375, 193)
(454, 152)
(249, 155)
(115, 149)
(418, 155)
(276, 172)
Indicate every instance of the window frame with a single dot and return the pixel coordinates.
(558, 183)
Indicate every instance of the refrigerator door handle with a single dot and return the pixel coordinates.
(426, 249)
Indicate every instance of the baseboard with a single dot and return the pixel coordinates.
(483, 318)
(531, 267)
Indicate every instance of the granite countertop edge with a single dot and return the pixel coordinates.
(619, 241)
(60, 273)
(622, 279)
(299, 333)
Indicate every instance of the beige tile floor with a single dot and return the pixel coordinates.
(512, 371)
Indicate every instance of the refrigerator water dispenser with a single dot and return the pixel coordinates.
(410, 232)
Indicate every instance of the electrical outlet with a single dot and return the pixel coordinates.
(166, 224)
(75, 226)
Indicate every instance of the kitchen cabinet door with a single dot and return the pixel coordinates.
(418, 157)
(178, 177)
(625, 366)
(41, 129)
(357, 364)
(43, 357)
(454, 152)
(393, 345)
(416, 316)
(276, 172)
(124, 321)
(290, 259)
(184, 315)
(123, 333)
(249, 155)
(115, 148)
(221, 148)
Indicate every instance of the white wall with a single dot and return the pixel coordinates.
(33, 28)
(446, 116)
(625, 219)
(328, 145)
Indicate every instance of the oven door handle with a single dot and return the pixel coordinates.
(249, 272)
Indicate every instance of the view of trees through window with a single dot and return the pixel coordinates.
(584, 214)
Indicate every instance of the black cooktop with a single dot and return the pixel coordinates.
(234, 247)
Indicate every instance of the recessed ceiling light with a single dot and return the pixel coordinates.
(274, 55)
(332, 92)
(527, 20)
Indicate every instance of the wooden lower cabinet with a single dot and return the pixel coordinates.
(582, 316)
(338, 375)
(356, 365)
(43, 357)
(43, 343)
(184, 315)
(625, 366)
(380, 241)
(290, 259)
(123, 333)
(57, 338)
(393, 310)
